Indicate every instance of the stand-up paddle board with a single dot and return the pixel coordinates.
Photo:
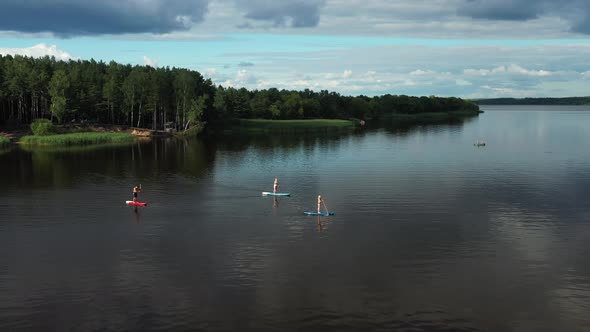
(132, 203)
(267, 193)
(313, 213)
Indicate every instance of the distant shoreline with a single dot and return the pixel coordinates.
(574, 101)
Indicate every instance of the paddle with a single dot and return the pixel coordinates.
(327, 210)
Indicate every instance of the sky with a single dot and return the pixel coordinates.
(464, 48)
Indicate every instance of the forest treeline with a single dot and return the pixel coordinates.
(142, 96)
(534, 101)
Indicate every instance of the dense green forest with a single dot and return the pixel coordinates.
(142, 96)
(534, 101)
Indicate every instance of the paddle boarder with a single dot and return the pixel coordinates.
(136, 190)
(275, 186)
(320, 201)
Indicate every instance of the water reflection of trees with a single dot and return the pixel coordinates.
(270, 141)
(62, 167)
(401, 129)
(4, 150)
(301, 140)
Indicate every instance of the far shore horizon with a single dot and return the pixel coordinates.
(533, 101)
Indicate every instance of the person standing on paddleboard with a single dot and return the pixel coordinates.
(320, 201)
(136, 190)
(275, 186)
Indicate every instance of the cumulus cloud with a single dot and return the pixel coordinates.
(210, 71)
(243, 78)
(422, 72)
(503, 91)
(74, 17)
(39, 50)
(511, 69)
(285, 13)
(150, 62)
(533, 69)
(347, 73)
(242, 75)
(462, 82)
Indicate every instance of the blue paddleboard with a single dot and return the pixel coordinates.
(267, 193)
(313, 213)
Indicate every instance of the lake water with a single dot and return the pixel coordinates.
(430, 232)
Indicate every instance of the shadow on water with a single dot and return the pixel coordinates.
(136, 215)
(292, 141)
(322, 223)
(63, 167)
(241, 141)
(401, 129)
(4, 150)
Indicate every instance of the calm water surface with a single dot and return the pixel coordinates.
(430, 234)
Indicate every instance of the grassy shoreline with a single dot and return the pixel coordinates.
(83, 138)
(88, 134)
(96, 134)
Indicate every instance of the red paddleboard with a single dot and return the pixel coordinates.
(132, 203)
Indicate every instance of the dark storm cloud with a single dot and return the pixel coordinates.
(581, 17)
(289, 13)
(582, 25)
(74, 17)
(517, 10)
(576, 12)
